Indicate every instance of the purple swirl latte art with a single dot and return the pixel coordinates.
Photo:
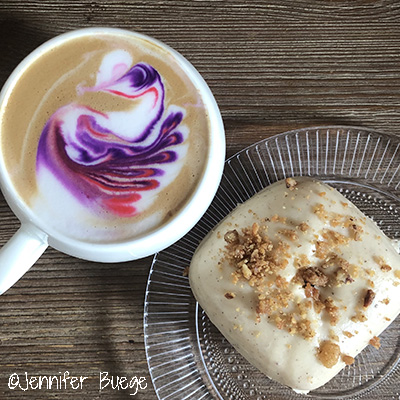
(113, 163)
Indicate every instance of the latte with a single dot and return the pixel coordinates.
(104, 136)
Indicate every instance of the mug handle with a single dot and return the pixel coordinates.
(20, 253)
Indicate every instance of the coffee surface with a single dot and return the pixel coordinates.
(104, 137)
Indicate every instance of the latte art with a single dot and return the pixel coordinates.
(115, 161)
(105, 137)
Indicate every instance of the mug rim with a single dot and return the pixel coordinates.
(167, 233)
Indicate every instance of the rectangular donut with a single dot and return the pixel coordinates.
(299, 281)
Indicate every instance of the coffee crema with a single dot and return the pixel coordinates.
(104, 137)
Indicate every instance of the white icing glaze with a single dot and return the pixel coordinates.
(291, 359)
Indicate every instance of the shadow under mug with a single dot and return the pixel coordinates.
(34, 236)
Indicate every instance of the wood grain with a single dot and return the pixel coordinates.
(272, 66)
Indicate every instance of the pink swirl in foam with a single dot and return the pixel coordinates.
(109, 160)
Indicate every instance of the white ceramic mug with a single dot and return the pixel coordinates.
(35, 235)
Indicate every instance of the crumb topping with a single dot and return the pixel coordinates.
(304, 227)
(359, 317)
(375, 342)
(342, 277)
(328, 353)
(383, 265)
(348, 360)
(333, 336)
(314, 276)
(356, 230)
(232, 236)
(320, 211)
(260, 260)
(301, 261)
(331, 241)
(291, 234)
(386, 268)
(291, 183)
(332, 310)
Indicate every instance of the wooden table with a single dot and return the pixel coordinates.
(272, 65)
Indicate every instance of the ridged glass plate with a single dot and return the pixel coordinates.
(188, 358)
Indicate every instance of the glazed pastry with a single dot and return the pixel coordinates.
(299, 281)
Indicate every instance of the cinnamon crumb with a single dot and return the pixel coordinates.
(332, 310)
(230, 295)
(314, 276)
(304, 227)
(328, 353)
(370, 272)
(371, 283)
(375, 342)
(348, 334)
(333, 336)
(357, 230)
(348, 270)
(386, 268)
(290, 183)
(232, 237)
(255, 229)
(246, 272)
(318, 306)
(235, 277)
(281, 282)
(320, 211)
(359, 317)
(301, 262)
(342, 277)
(277, 218)
(311, 292)
(289, 233)
(348, 360)
(335, 221)
(331, 240)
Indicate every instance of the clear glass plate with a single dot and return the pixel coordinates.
(187, 356)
